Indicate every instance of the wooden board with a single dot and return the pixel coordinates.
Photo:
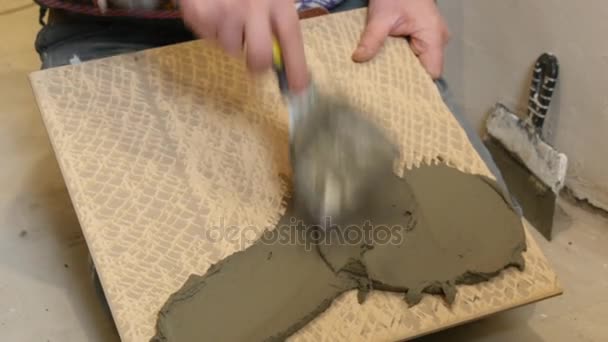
(162, 150)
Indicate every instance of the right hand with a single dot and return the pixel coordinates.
(233, 23)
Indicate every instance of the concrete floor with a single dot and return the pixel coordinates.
(46, 293)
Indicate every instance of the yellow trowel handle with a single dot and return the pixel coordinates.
(277, 57)
(279, 68)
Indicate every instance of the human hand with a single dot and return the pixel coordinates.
(233, 23)
(418, 19)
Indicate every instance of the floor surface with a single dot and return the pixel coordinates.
(46, 293)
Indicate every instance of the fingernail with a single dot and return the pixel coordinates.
(360, 54)
(361, 50)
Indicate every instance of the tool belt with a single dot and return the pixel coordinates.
(162, 9)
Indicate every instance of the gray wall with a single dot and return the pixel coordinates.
(489, 60)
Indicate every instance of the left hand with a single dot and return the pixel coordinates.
(419, 20)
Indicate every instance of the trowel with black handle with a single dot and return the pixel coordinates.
(336, 153)
(533, 170)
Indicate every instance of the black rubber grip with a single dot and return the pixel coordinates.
(544, 81)
(282, 79)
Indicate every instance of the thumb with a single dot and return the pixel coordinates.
(371, 40)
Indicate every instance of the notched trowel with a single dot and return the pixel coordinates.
(337, 154)
(532, 169)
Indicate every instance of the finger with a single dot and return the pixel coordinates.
(371, 40)
(230, 35)
(103, 5)
(200, 18)
(286, 26)
(258, 38)
(430, 54)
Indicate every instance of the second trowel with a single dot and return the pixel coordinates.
(336, 153)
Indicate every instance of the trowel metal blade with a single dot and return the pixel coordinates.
(337, 156)
(536, 199)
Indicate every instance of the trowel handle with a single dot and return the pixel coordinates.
(279, 67)
(544, 80)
